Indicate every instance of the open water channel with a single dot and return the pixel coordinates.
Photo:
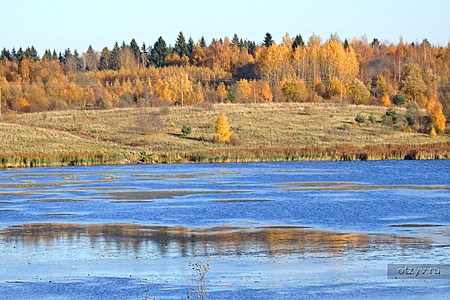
(224, 231)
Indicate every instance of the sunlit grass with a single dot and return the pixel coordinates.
(264, 132)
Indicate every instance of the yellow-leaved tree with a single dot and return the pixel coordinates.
(223, 133)
(434, 110)
(221, 92)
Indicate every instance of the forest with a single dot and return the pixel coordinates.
(233, 70)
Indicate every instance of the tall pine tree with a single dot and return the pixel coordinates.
(159, 52)
(298, 42)
(190, 47)
(268, 40)
(202, 42)
(181, 46)
(113, 62)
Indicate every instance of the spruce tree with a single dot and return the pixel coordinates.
(346, 45)
(251, 46)
(78, 60)
(54, 55)
(159, 52)
(180, 45)
(113, 62)
(47, 54)
(235, 40)
(190, 47)
(144, 55)
(202, 42)
(13, 54)
(298, 41)
(34, 54)
(5, 54)
(134, 47)
(268, 41)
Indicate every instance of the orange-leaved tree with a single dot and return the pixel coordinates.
(223, 133)
(434, 110)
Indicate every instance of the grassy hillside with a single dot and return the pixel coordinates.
(277, 131)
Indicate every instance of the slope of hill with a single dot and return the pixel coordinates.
(261, 132)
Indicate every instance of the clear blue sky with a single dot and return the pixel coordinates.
(76, 24)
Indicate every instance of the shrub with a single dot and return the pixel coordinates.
(186, 130)
(410, 119)
(399, 99)
(391, 114)
(372, 118)
(360, 118)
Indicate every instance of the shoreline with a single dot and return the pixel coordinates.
(261, 133)
(336, 153)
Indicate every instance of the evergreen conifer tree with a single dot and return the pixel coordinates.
(268, 40)
(159, 52)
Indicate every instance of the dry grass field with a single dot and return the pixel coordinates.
(261, 132)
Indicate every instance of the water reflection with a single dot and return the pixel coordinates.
(187, 241)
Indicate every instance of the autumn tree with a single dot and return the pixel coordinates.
(25, 69)
(333, 88)
(198, 55)
(265, 93)
(313, 55)
(104, 59)
(358, 92)
(218, 56)
(91, 59)
(412, 84)
(244, 91)
(221, 92)
(294, 90)
(382, 88)
(385, 100)
(434, 110)
(223, 133)
(274, 63)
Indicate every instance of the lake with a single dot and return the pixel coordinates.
(224, 231)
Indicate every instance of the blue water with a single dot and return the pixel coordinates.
(400, 199)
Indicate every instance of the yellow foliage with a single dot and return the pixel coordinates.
(198, 55)
(294, 90)
(434, 110)
(244, 90)
(199, 95)
(385, 100)
(275, 62)
(358, 92)
(163, 91)
(221, 92)
(433, 132)
(223, 133)
(22, 105)
(24, 69)
(173, 59)
(265, 92)
(333, 87)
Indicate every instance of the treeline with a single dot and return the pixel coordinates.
(228, 70)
